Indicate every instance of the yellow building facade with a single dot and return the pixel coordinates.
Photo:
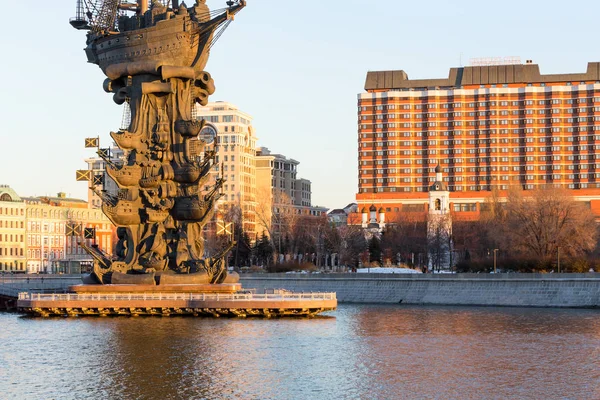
(12, 231)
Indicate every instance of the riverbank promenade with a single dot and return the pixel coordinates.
(513, 290)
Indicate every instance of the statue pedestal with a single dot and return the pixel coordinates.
(198, 300)
(168, 288)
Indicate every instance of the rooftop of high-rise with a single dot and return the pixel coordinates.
(478, 75)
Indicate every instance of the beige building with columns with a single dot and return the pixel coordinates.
(229, 132)
(280, 190)
(261, 183)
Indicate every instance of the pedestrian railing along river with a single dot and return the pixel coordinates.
(176, 296)
(10, 290)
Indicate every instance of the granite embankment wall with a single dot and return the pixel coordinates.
(534, 290)
(12, 285)
(517, 290)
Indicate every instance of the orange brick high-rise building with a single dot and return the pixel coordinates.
(486, 126)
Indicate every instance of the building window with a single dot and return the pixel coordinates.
(464, 207)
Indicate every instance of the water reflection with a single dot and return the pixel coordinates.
(379, 352)
(484, 352)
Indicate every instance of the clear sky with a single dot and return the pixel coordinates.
(296, 66)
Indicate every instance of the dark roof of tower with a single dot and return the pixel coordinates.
(8, 194)
(372, 208)
(438, 169)
(336, 212)
(438, 186)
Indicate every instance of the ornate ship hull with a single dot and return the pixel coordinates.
(127, 140)
(151, 182)
(123, 214)
(176, 41)
(189, 128)
(126, 176)
(189, 208)
(186, 173)
(156, 215)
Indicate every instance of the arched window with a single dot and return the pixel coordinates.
(5, 197)
(438, 204)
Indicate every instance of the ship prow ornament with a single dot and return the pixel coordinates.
(154, 55)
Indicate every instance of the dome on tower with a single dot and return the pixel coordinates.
(372, 208)
(439, 184)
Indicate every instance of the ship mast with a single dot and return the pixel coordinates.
(143, 6)
(140, 7)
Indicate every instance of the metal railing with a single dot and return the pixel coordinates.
(13, 288)
(174, 296)
(10, 290)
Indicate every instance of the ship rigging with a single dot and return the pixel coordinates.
(101, 16)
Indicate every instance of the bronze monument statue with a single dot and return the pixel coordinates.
(154, 58)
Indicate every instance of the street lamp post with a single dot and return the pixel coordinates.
(558, 258)
(495, 251)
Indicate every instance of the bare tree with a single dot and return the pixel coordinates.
(470, 238)
(306, 235)
(278, 217)
(540, 221)
(347, 241)
(350, 245)
(264, 214)
(213, 243)
(404, 237)
(439, 246)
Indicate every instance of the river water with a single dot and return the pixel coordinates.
(357, 352)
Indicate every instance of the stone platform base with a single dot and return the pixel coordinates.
(166, 304)
(169, 288)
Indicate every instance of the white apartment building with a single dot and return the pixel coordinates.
(229, 132)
